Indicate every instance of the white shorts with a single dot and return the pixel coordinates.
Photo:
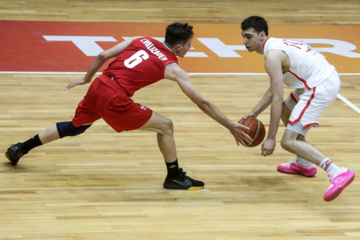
(308, 105)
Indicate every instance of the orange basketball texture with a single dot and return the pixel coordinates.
(256, 130)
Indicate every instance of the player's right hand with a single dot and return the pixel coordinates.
(238, 131)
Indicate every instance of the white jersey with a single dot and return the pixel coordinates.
(308, 68)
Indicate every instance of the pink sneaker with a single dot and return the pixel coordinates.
(294, 167)
(339, 181)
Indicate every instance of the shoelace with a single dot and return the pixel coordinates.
(182, 173)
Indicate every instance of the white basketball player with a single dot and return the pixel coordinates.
(316, 84)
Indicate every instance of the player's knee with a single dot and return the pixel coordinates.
(287, 143)
(168, 127)
(66, 129)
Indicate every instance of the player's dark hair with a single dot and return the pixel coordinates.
(257, 23)
(178, 33)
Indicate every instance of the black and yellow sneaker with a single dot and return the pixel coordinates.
(14, 153)
(181, 181)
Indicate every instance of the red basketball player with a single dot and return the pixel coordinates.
(139, 62)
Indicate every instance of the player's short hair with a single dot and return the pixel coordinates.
(257, 23)
(178, 33)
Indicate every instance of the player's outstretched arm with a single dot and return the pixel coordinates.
(100, 60)
(174, 72)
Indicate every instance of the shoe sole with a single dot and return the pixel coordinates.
(294, 171)
(191, 188)
(194, 188)
(339, 190)
(286, 170)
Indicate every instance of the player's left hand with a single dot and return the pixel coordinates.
(252, 114)
(268, 147)
(80, 81)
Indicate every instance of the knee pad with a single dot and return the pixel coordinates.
(68, 129)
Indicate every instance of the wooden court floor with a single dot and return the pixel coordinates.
(103, 185)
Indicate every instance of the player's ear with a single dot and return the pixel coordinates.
(262, 36)
(178, 46)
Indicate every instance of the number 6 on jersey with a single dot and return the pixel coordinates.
(135, 59)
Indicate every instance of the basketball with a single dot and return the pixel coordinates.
(256, 130)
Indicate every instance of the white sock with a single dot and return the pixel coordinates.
(328, 165)
(303, 161)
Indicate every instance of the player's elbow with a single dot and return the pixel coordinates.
(102, 57)
(204, 105)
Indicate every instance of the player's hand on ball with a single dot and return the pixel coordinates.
(246, 116)
(256, 130)
(239, 132)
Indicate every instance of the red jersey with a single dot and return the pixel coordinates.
(142, 63)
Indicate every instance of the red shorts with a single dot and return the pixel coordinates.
(116, 108)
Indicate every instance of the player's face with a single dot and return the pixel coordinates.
(183, 49)
(252, 40)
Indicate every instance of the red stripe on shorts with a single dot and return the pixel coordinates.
(302, 80)
(303, 111)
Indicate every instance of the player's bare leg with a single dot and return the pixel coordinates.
(165, 135)
(299, 166)
(176, 177)
(339, 177)
(52, 133)
(291, 143)
(285, 114)
(49, 134)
